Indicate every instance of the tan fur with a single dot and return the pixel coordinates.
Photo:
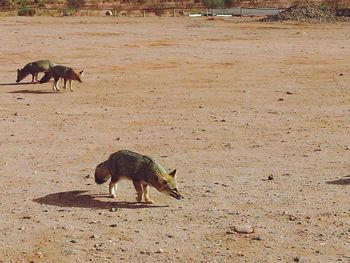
(67, 74)
(142, 170)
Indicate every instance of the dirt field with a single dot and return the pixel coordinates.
(226, 103)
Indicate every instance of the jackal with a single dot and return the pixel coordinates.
(142, 170)
(66, 73)
(34, 68)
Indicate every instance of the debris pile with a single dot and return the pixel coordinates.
(310, 14)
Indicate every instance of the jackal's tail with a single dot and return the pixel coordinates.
(102, 173)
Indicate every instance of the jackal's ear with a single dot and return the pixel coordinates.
(173, 173)
(18, 70)
(81, 73)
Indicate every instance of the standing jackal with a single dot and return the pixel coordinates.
(34, 68)
(141, 169)
(66, 73)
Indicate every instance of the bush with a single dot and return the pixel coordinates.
(26, 12)
(231, 3)
(76, 4)
(38, 3)
(213, 3)
(6, 3)
(158, 9)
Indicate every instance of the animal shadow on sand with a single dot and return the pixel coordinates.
(17, 84)
(341, 181)
(79, 198)
(27, 91)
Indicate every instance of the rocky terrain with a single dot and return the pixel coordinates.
(309, 14)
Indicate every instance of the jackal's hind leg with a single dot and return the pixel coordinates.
(139, 191)
(145, 194)
(36, 77)
(33, 77)
(70, 86)
(65, 84)
(113, 186)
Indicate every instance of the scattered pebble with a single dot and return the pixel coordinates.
(299, 259)
(292, 218)
(159, 251)
(243, 229)
(113, 209)
(270, 177)
(113, 225)
(98, 245)
(257, 238)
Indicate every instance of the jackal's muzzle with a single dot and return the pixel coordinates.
(176, 194)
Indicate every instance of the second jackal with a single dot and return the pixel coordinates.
(66, 73)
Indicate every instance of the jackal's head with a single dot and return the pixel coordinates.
(79, 76)
(102, 173)
(21, 74)
(76, 76)
(167, 184)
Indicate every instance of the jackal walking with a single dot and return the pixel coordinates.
(141, 169)
(34, 68)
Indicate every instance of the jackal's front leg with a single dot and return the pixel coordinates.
(145, 194)
(33, 77)
(36, 77)
(70, 86)
(113, 186)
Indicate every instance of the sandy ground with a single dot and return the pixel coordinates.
(226, 103)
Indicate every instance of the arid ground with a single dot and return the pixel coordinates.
(226, 103)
